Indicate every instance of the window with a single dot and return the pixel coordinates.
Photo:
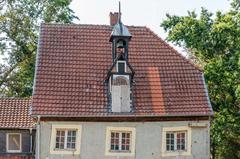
(120, 141)
(121, 67)
(14, 142)
(65, 139)
(176, 141)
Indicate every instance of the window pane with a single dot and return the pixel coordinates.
(73, 145)
(61, 146)
(74, 139)
(123, 147)
(112, 147)
(60, 137)
(168, 147)
(125, 141)
(167, 135)
(181, 140)
(74, 133)
(178, 147)
(71, 139)
(68, 145)
(182, 147)
(14, 142)
(127, 147)
(114, 141)
(121, 67)
(170, 141)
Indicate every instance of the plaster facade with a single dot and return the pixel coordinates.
(148, 140)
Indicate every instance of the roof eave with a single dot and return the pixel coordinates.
(16, 128)
(109, 116)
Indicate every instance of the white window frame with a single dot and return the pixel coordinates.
(125, 65)
(120, 141)
(188, 140)
(175, 140)
(55, 128)
(65, 139)
(131, 152)
(7, 143)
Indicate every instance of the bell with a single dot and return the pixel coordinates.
(120, 44)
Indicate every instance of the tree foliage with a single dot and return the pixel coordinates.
(214, 39)
(19, 29)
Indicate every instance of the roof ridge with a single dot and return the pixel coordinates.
(174, 50)
(74, 24)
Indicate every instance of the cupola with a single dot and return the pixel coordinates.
(120, 74)
(120, 36)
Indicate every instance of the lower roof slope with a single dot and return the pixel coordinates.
(72, 66)
(15, 113)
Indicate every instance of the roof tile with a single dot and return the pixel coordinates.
(15, 113)
(73, 61)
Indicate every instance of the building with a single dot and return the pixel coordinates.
(117, 92)
(17, 131)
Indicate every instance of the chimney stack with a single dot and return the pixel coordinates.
(113, 18)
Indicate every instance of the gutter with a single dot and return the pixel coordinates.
(128, 115)
(31, 146)
(38, 137)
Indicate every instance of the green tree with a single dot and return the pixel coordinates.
(214, 42)
(19, 29)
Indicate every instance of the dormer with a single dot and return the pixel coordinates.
(120, 74)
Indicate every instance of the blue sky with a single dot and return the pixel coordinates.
(148, 13)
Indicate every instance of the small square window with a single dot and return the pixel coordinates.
(65, 139)
(14, 142)
(121, 67)
(176, 141)
(120, 141)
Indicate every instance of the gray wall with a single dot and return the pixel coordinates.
(148, 140)
(25, 140)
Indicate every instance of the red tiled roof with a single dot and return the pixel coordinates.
(15, 157)
(14, 113)
(73, 61)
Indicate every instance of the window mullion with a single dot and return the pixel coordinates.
(185, 141)
(65, 140)
(175, 141)
(120, 141)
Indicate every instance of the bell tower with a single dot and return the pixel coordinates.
(120, 38)
(121, 73)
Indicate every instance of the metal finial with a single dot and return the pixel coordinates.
(119, 12)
